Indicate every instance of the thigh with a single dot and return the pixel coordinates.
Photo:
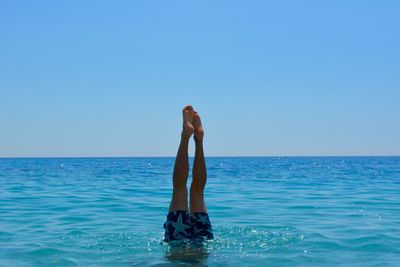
(177, 226)
(201, 225)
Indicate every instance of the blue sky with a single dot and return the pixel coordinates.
(109, 78)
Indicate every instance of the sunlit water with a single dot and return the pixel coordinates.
(265, 212)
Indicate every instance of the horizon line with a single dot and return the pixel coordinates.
(211, 156)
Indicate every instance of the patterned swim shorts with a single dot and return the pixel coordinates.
(181, 224)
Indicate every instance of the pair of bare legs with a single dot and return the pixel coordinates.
(191, 126)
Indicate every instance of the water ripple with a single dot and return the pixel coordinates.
(265, 212)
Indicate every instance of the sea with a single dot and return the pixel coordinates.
(265, 211)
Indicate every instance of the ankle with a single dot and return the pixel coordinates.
(198, 140)
(185, 136)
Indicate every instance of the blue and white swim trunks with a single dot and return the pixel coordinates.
(181, 225)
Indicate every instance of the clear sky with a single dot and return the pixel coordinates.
(109, 78)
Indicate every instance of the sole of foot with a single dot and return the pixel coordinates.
(198, 127)
(188, 114)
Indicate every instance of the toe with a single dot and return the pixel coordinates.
(188, 107)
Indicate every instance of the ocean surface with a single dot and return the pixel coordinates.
(288, 211)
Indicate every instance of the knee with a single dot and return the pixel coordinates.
(180, 189)
(196, 189)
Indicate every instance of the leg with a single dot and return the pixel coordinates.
(178, 225)
(201, 225)
(197, 203)
(181, 168)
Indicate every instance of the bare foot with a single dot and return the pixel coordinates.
(198, 128)
(188, 127)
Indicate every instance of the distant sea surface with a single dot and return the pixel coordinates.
(271, 211)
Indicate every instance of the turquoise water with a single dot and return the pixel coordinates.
(265, 212)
